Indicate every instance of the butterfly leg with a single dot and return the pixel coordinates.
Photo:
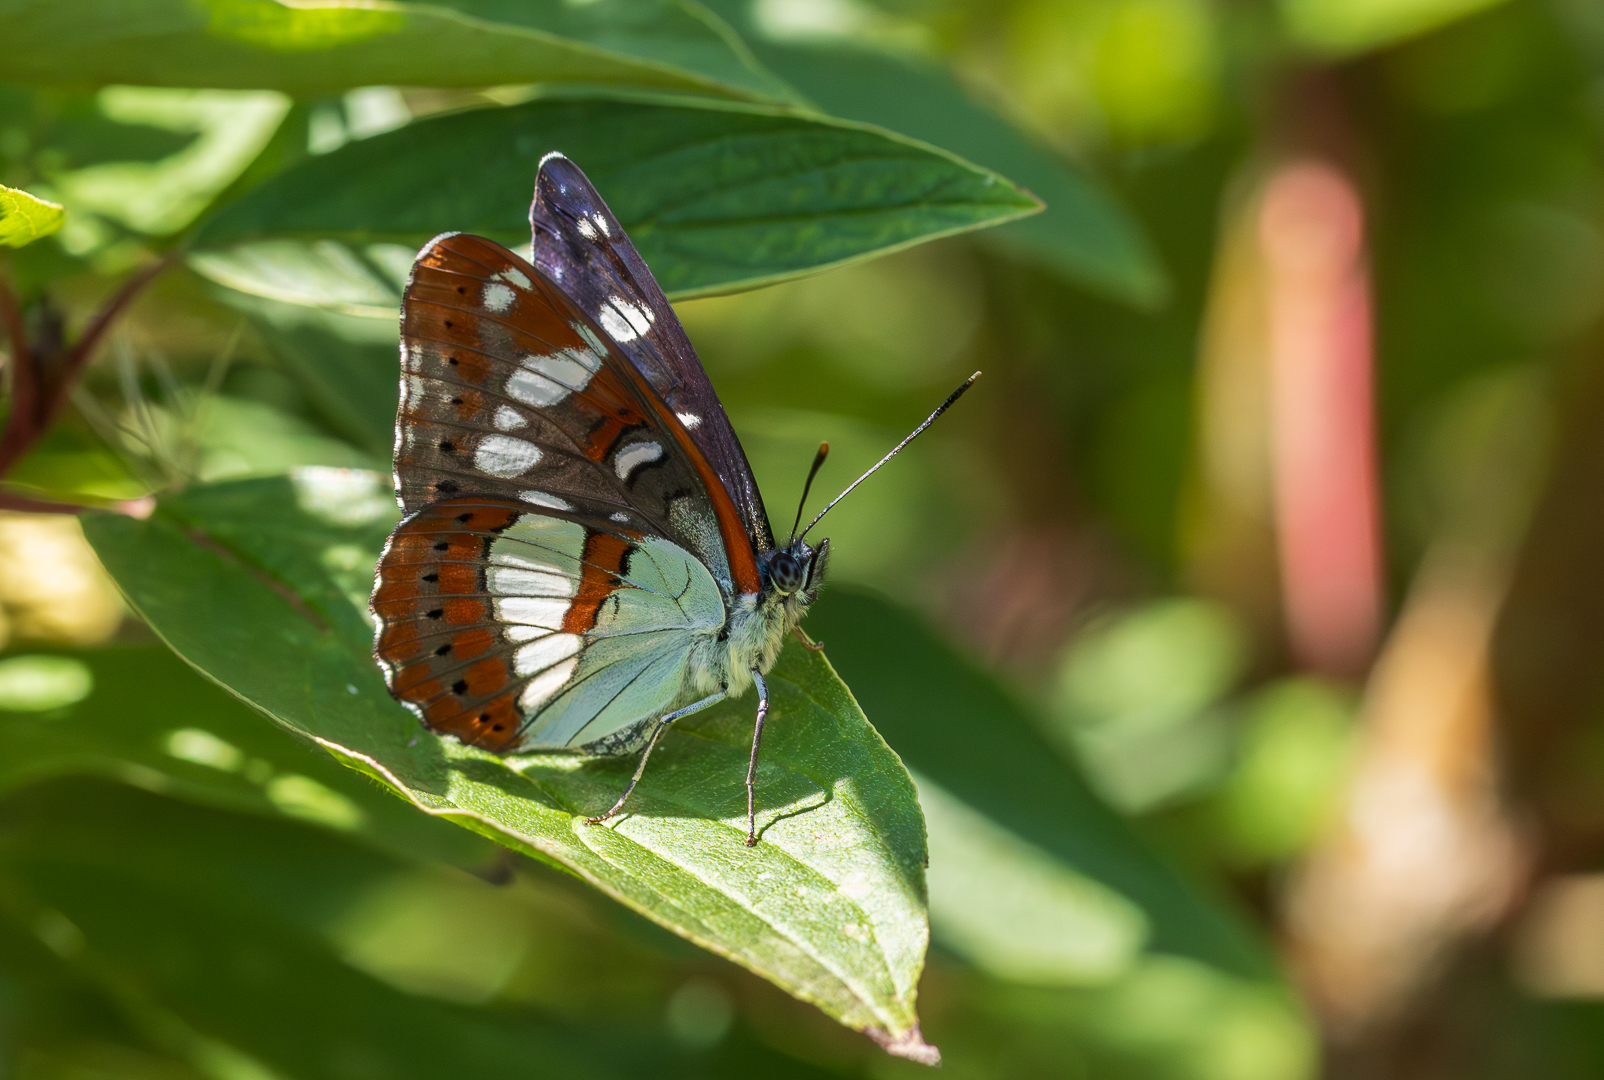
(751, 769)
(651, 744)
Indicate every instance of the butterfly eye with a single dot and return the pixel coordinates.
(785, 572)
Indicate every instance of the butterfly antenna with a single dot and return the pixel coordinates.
(931, 419)
(818, 460)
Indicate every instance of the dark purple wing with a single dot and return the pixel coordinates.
(579, 244)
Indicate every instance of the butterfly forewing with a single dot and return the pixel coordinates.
(503, 390)
(509, 389)
(579, 244)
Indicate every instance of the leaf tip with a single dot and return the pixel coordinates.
(25, 218)
(910, 1044)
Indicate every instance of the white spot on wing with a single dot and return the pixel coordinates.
(542, 687)
(553, 556)
(532, 389)
(547, 379)
(510, 581)
(513, 276)
(508, 418)
(634, 456)
(551, 542)
(571, 367)
(505, 456)
(616, 325)
(621, 517)
(501, 554)
(623, 320)
(496, 297)
(540, 498)
(586, 229)
(517, 632)
(544, 653)
(690, 420)
(532, 610)
(601, 224)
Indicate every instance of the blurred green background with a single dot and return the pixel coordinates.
(1242, 629)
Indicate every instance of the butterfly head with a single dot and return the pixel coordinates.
(795, 572)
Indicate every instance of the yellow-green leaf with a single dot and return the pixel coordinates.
(25, 218)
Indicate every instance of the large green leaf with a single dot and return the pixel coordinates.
(954, 725)
(1081, 928)
(337, 44)
(226, 938)
(346, 367)
(1345, 27)
(1084, 234)
(262, 584)
(25, 218)
(150, 721)
(190, 919)
(716, 197)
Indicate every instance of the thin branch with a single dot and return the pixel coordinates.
(11, 313)
(24, 384)
(35, 404)
(137, 508)
(82, 352)
(9, 501)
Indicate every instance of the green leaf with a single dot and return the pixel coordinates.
(213, 930)
(955, 726)
(262, 585)
(62, 131)
(305, 49)
(1345, 27)
(351, 383)
(1084, 234)
(1081, 930)
(265, 943)
(25, 218)
(60, 1024)
(70, 463)
(194, 741)
(717, 197)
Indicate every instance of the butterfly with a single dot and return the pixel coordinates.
(584, 556)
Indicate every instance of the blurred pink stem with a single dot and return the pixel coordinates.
(1311, 231)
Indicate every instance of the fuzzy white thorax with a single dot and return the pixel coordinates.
(757, 628)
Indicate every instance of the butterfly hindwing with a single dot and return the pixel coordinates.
(512, 628)
(579, 244)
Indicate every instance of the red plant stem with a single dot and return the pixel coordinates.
(81, 353)
(9, 501)
(12, 314)
(35, 406)
(22, 373)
